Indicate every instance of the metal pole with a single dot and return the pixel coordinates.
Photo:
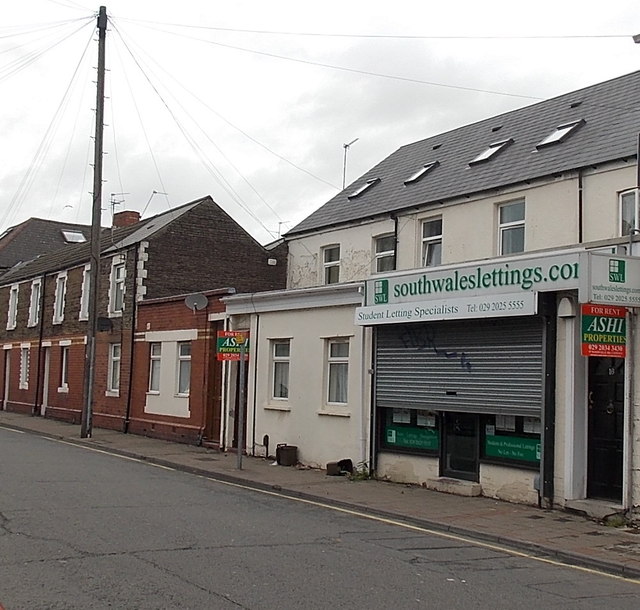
(94, 270)
(243, 350)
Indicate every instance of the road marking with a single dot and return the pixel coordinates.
(357, 513)
(17, 432)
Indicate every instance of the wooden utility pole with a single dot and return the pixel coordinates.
(96, 214)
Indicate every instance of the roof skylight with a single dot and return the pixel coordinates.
(561, 133)
(491, 151)
(365, 187)
(74, 237)
(422, 172)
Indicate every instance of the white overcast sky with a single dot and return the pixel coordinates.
(252, 102)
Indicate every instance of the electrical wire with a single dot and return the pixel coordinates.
(382, 36)
(43, 148)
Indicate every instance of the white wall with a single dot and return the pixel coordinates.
(470, 226)
(322, 433)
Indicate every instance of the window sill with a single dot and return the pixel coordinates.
(113, 393)
(63, 389)
(334, 413)
(273, 407)
(115, 314)
(23, 386)
(153, 392)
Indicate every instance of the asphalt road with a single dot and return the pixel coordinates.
(84, 529)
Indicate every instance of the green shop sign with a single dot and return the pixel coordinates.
(512, 448)
(413, 438)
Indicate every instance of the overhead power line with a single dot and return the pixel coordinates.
(382, 36)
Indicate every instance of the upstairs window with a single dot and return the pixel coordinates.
(491, 151)
(331, 264)
(432, 242)
(116, 287)
(385, 253)
(280, 353)
(629, 203)
(560, 133)
(362, 189)
(84, 295)
(511, 228)
(34, 304)
(12, 314)
(74, 237)
(58, 304)
(421, 173)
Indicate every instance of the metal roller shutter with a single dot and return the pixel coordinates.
(474, 366)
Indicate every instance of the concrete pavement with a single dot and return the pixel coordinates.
(550, 533)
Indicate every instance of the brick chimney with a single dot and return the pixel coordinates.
(126, 218)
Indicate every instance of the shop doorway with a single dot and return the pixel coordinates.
(460, 459)
(606, 428)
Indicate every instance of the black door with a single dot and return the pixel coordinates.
(606, 428)
(460, 446)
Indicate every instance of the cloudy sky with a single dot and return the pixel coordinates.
(252, 102)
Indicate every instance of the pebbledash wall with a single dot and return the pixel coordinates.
(479, 384)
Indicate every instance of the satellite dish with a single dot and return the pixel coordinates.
(196, 301)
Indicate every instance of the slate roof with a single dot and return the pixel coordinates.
(611, 115)
(34, 237)
(112, 239)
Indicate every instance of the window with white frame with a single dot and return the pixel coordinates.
(84, 295)
(331, 264)
(385, 253)
(155, 353)
(337, 370)
(115, 353)
(432, 242)
(24, 368)
(12, 314)
(58, 304)
(184, 368)
(116, 288)
(64, 367)
(629, 203)
(34, 303)
(511, 228)
(280, 353)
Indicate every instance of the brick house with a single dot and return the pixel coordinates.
(147, 268)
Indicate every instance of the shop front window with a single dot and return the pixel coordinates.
(511, 439)
(411, 430)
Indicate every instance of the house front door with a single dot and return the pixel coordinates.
(606, 428)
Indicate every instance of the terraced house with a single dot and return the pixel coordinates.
(154, 371)
(462, 316)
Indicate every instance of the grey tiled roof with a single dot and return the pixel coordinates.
(112, 239)
(34, 237)
(611, 111)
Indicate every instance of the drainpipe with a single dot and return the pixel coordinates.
(254, 347)
(580, 207)
(395, 241)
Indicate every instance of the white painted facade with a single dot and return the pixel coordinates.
(567, 211)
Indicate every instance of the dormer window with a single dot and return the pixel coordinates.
(365, 187)
(74, 237)
(421, 173)
(561, 133)
(491, 151)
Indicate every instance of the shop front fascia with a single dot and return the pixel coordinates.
(464, 372)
